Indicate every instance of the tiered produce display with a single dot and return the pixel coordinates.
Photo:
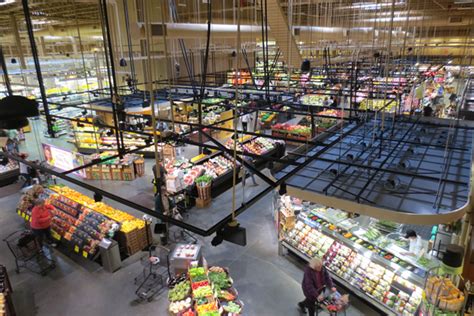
(257, 146)
(204, 293)
(10, 166)
(291, 131)
(356, 260)
(181, 173)
(6, 302)
(82, 223)
(377, 104)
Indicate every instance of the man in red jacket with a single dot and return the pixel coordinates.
(41, 222)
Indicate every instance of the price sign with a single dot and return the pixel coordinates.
(27, 217)
(23, 215)
(76, 249)
(18, 212)
(55, 235)
(84, 254)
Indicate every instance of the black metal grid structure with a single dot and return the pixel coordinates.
(410, 166)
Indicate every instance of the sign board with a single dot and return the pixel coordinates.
(63, 159)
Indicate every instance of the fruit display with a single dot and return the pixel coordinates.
(259, 146)
(72, 222)
(183, 173)
(127, 221)
(206, 292)
(286, 128)
(10, 166)
(377, 104)
(178, 306)
(180, 291)
(313, 99)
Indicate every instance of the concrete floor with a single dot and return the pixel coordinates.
(268, 284)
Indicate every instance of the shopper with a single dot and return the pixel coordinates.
(315, 280)
(245, 119)
(248, 171)
(41, 216)
(25, 171)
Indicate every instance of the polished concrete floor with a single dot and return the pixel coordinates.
(268, 283)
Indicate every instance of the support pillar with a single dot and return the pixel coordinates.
(39, 75)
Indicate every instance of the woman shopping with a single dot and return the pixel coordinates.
(316, 280)
(41, 216)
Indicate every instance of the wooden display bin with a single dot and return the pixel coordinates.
(116, 173)
(139, 167)
(106, 174)
(200, 203)
(96, 173)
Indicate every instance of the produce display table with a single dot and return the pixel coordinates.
(6, 303)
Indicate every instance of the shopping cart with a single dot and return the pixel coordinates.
(28, 254)
(155, 274)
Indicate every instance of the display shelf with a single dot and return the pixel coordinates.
(204, 292)
(343, 282)
(418, 280)
(6, 303)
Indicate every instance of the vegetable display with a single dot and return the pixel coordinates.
(206, 293)
(180, 291)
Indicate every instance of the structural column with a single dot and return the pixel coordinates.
(39, 75)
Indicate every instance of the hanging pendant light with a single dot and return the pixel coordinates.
(123, 62)
(13, 61)
(14, 111)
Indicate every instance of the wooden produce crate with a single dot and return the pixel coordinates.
(200, 203)
(142, 238)
(129, 242)
(128, 172)
(204, 192)
(89, 173)
(96, 173)
(106, 174)
(139, 167)
(116, 172)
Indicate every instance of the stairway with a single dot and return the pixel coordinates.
(279, 31)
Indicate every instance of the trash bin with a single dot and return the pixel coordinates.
(110, 255)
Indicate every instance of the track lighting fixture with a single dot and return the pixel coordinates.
(97, 197)
(282, 190)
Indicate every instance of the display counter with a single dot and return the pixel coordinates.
(9, 173)
(80, 223)
(204, 291)
(358, 252)
(6, 301)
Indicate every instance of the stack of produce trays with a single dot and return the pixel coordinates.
(205, 293)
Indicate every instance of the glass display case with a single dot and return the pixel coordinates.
(363, 254)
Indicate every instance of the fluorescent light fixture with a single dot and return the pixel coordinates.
(373, 5)
(5, 2)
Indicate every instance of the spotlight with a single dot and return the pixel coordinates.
(84, 112)
(123, 62)
(13, 61)
(282, 190)
(232, 232)
(98, 197)
(305, 65)
(218, 239)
